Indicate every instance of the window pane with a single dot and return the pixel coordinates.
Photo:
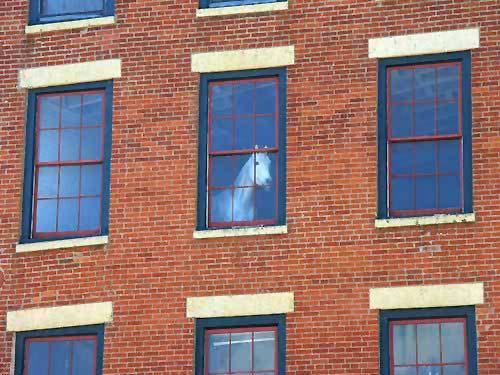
(83, 357)
(60, 357)
(402, 193)
(428, 346)
(429, 370)
(91, 144)
(424, 119)
(49, 112)
(405, 371)
(91, 180)
(222, 102)
(264, 351)
(221, 135)
(221, 205)
(404, 344)
(265, 168)
(425, 193)
(68, 215)
(47, 182)
(401, 121)
(56, 7)
(449, 156)
(448, 118)
(402, 158)
(453, 342)
(453, 370)
(46, 213)
(218, 353)
(70, 145)
(92, 110)
(222, 171)
(265, 132)
(243, 133)
(71, 107)
(241, 352)
(38, 358)
(449, 192)
(243, 204)
(265, 96)
(245, 170)
(244, 98)
(425, 84)
(448, 83)
(48, 146)
(401, 84)
(265, 202)
(90, 213)
(70, 181)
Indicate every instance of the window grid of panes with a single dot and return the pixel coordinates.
(69, 164)
(425, 139)
(243, 351)
(60, 8)
(429, 347)
(243, 126)
(61, 355)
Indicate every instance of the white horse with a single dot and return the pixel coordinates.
(226, 208)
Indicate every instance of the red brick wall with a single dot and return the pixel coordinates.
(332, 254)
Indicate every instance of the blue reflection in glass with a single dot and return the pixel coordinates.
(402, 158)
(448, 118)
(429, 370)
(449, 156)
(405, 370)
(425, 119)
(221, 134)
(221, 205)
(265, 131)
(222, 102)
(241, 352)
(428, 343)
(405, 344)
(70, 181)
(401, 121)
(448, 83)
(38, 358)
(92, 110)
(426, 193)
(218, 353)
(401, 85)
(60, 358)
(449, 192)
(56, 7)
(265, 97)
(90, 213)
(47, 182)
(91, 144)
(49, 111)
(70, 145)
(222, 171)
(71, 109)
(46, 214)
(451, 335)
(425, 157)
(454, 370)
(264, 351)
(244, 98)
(68, 215)
(265, 201)
(243, 133)
(402, 193)
(83, 357)
(425, 84)
(47, 149)
(91, 180)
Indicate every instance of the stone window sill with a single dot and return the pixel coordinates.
(242, 9)
(240, 232)
(69, 25)
(61, 244)
(425, 220)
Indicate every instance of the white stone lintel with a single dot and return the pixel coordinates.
(69, 25)
(240, 232)
(425, 220)
(242, 9)
(61, 244)
(59, 317)
(424, 44)
(240, 305)
(410, 297)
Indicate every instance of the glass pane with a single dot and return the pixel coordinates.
(405, 371)
(245, 170)
(92, 110)
(91, 180)
(47, 182)
(448, 118)
(401, 121)
(429, 370)
(221, 135)
(46, 214)
(241, 352)
(404, 344)
(56, 7)
(452, 336)
(91, 144)
(68, 215)
(402, 158)
(453, 370)
(244, 98)
(428, 345)
(265, 96)
(221, 205)
(425, 119)
(401, 85)
(265, 202)
(70, 181)
(38, 358)
(90, 214)
(265, 168)
(60, 358)
(448, 83)
(265, 132)
(264, 351)
(83, 357)
(425, 157)
(243, 204)
(449, 192)
(402, 193)
(222, 102)
(243, 133)
(426, 193)
(70, 145)
(48, 146)
(218, 353)
(71, 111)
(425, 83)
(449, 156)
(49, 111)
(222, 171)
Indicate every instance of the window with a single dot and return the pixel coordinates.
(67, 162)
(47, 11)
(425, 136)
(228, 3)
(428, 342)
(242, 149)
(72, 351)
(249, 345)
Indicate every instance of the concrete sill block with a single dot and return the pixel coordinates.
(240, 232)
(62, 244)
(425, 220)
(242, 9)
(69, 25)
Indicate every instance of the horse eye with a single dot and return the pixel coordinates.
(257, 163)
